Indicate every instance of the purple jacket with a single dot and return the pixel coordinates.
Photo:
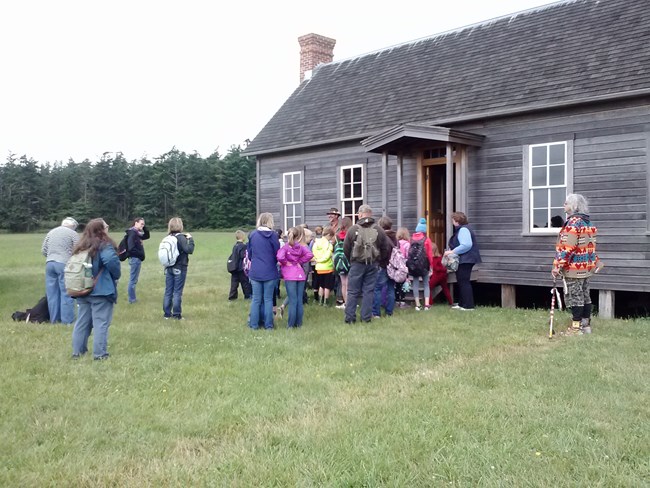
(263, 245)
(291, 259)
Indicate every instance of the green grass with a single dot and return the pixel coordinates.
(442, 398)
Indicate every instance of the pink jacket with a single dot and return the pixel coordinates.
(291, 259)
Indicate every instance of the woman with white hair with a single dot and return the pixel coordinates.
(576, 260)
(57, 249)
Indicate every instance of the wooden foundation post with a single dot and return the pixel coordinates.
(508, 296)
(606, 304)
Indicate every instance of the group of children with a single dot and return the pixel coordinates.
(317, 258)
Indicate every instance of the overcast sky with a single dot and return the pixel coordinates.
(82, 77)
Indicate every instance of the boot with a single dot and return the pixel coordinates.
(574, 329)
(585, 325)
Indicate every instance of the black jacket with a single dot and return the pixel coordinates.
(134, 246)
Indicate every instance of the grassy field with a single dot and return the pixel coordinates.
(442, 398)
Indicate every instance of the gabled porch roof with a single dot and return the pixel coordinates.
(401, 138)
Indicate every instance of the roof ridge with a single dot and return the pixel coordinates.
(457, 30)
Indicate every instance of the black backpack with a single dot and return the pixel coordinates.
(122, 252)
(234, 261)
(38, 313)
(418, 261)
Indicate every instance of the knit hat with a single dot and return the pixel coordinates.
(422, 225)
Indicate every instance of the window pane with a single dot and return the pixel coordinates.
(540, 218)
(556, 175)
(539, 176)
(287, 195)
(357, 174)
(538, 156)
(558, 195)
(348, 208)
(557, 219)
(347, 175)
(540, 198)
(556, 154)
(358, 190)
(347, 191)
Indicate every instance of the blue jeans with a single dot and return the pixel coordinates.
(174, 284)
(59, 304)
(361, 285)
(383, 281)
(295, 290)
(135, 264)
(94, 313)
(263, 292)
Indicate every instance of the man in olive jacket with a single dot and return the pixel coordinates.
(365, 246)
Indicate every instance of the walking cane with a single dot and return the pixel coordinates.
(554, 293)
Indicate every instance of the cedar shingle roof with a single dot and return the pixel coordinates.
(566, 52)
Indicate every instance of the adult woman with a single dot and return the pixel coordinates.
(576, 260)
(96, 309)
(263, 246)
(463, 243)
(175, 275)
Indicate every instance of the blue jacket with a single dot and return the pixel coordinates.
(108, 263)
(263, 246)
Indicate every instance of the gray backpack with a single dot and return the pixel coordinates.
(365, 245)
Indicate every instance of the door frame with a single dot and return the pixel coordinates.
(455, 160)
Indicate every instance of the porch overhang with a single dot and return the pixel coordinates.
(400, 138)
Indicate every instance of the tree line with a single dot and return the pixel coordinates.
(207, 193)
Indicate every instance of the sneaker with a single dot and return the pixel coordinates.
(586, 329)
(102, 357)
(455, 306)
(418, 308)
(404, 305)
(427, 308)
(573, 331)
(465, 309)
(376, 316)
(341, 306)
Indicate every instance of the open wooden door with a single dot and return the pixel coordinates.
(435, 195)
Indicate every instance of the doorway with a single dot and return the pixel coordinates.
(434, 167)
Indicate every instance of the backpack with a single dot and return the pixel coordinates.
(246, 263)
(397, 269)
(233, 261)
(122, 252)
(78, 275)
(341, 262)
(168, 251)
(364, 249)
(417, 262)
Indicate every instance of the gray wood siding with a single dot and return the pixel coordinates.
(610, 168)
(611, 164)
(321, 183)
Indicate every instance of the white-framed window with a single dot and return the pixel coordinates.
(549, 173)
(351, 190)
(292, 199)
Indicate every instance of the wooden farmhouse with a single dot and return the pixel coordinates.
(500, 120)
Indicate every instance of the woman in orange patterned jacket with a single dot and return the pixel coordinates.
(576, 260)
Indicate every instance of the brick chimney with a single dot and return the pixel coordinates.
(314, 50)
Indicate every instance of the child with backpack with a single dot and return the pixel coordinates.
(235, 267)
(341, 262)
(384, 284)
(323, 251)
(318, 233)
(404, 242)
(439, 273)
(291, 258)
(419, 263)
